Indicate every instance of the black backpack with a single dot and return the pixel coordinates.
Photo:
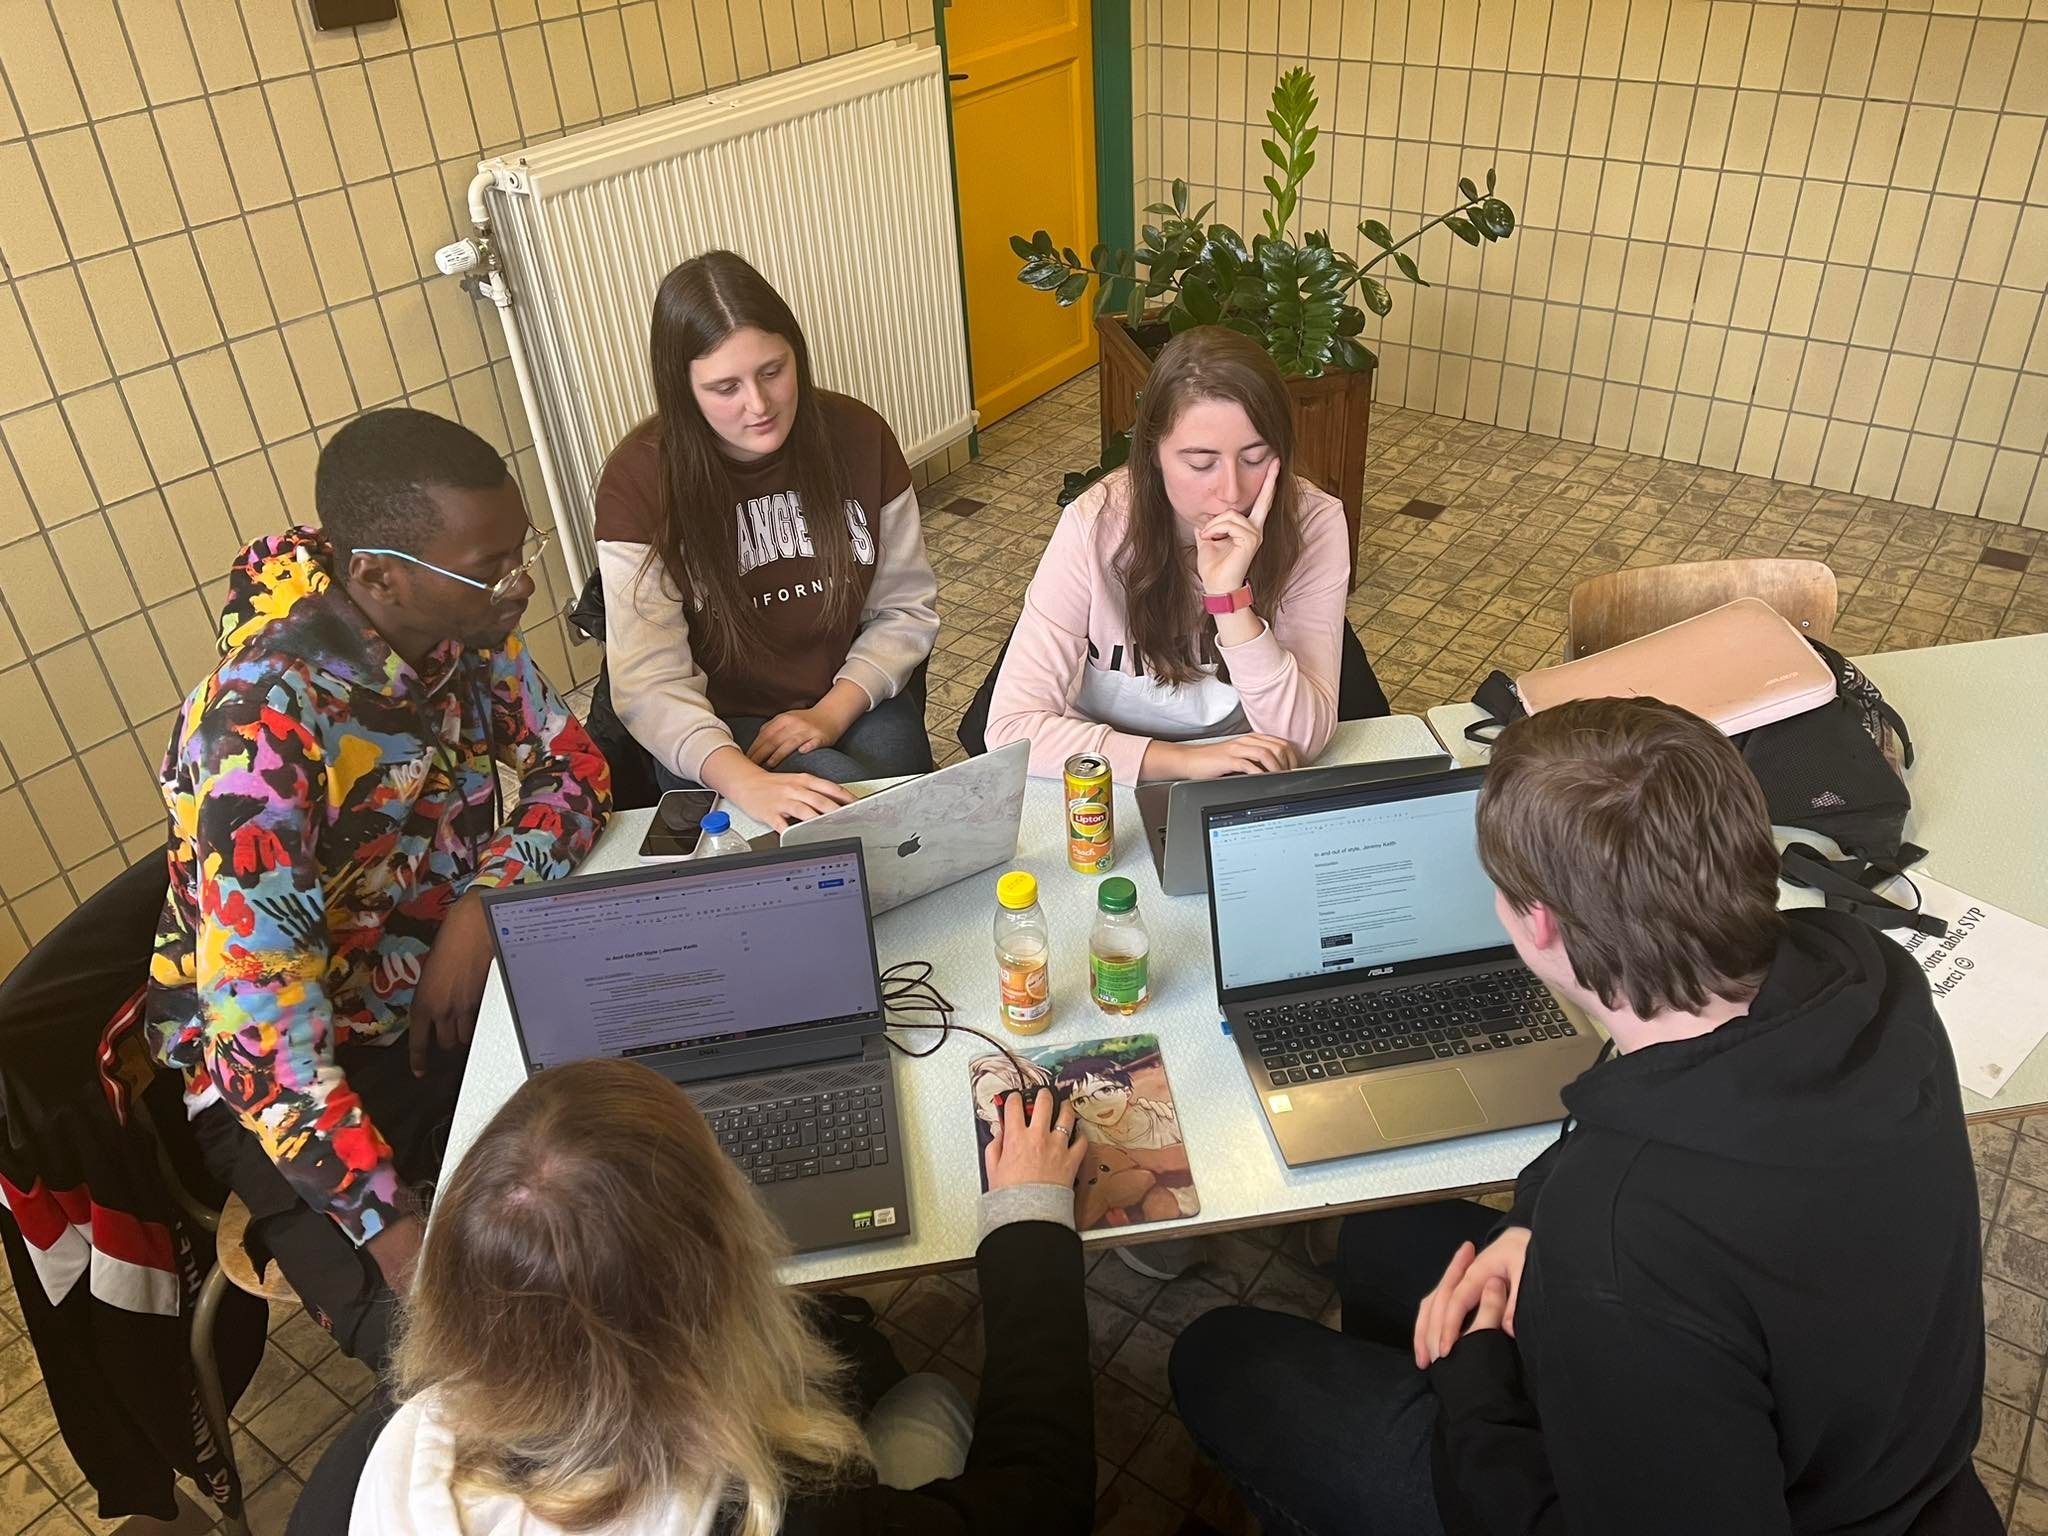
(1829, 771)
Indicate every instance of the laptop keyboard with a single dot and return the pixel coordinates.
(800, 1138)
(1368, 1031)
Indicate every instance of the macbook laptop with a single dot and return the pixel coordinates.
(1374, 997)
(751, 981)
(927, 832)
(1172, 812)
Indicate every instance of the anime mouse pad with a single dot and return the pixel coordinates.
(1137, 1171)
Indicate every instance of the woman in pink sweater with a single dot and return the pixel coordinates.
(1196, 593)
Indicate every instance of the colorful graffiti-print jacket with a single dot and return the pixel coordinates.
(328, 805)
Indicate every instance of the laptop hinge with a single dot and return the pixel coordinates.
(742, 1057)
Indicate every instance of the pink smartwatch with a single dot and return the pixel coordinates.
(1227, 602)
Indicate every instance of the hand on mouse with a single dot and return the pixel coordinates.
(1041, 1150)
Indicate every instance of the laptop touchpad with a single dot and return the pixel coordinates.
(1427, 1104)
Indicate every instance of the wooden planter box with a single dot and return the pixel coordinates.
(1330, 419)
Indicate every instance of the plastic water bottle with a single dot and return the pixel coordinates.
(1023, 949)
(1119, 950)
(717, 838)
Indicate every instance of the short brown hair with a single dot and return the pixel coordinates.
(1644, 833)
(598, 1315)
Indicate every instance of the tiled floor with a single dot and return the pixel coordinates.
(1440, 602)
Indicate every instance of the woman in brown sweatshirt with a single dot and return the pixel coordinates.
(767, 595)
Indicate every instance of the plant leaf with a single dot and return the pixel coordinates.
(1378, 234)
(1352, 356)
(1180, 196)
(1499, 217)
(1071, 290)
(1200, 300)
(1463, 230)
(1375, 294)
(1045, 273)
(1136, 313)
(1274, 153)
(1408, 268)
(1022, 247)
(1470, 192)
(1489, 178)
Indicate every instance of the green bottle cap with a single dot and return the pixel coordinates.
(1117, 895)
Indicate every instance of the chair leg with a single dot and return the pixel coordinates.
(212, 1400)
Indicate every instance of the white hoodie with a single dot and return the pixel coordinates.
(408, 1489)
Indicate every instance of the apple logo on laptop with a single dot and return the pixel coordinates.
(908, 846)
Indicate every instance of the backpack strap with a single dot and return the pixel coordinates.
(1897, 722)
(1849, 885)
(1502, 704)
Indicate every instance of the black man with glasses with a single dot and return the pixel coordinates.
(336, 804)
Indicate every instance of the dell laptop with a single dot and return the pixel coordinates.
(751, 981)
(1374, 996)
(927, 832)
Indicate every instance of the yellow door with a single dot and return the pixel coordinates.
(1024, 136)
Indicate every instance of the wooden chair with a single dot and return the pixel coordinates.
(1621, 605)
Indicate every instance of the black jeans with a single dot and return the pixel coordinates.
(1329, 1433)
(340, 1284)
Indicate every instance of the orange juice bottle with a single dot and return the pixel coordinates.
(1023, 951)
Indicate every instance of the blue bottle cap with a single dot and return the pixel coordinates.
(716, 822)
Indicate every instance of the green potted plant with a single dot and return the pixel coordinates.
(1305, 301)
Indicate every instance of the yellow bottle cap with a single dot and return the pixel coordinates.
(1017, 890)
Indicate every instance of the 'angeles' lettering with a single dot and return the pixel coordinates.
(774, 528)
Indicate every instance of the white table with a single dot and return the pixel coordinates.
(1237, 1169)
(1979, 785)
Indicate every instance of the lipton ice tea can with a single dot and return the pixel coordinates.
(1091, 824)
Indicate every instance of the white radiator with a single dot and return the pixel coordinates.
(834, 180)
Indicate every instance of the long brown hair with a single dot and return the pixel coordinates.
(698, 306)
(598, 1315)
(1646, 835)
(1161, 594)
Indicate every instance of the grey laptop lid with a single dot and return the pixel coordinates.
(929, 831)
(1172, 813)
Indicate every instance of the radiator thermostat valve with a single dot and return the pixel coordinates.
(454, 260)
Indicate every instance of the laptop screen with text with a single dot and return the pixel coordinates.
(1362, 882)
(702, 954)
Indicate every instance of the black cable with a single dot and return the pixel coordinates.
(907, 987)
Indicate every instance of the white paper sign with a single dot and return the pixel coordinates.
(1990, 981)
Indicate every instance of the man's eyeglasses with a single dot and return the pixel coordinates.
(497, 590)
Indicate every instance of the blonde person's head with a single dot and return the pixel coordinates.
(598, 1315)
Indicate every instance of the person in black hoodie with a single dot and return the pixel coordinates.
(1740, 1295)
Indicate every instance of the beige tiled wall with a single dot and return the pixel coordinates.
(1806, 240)
(216, 236)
